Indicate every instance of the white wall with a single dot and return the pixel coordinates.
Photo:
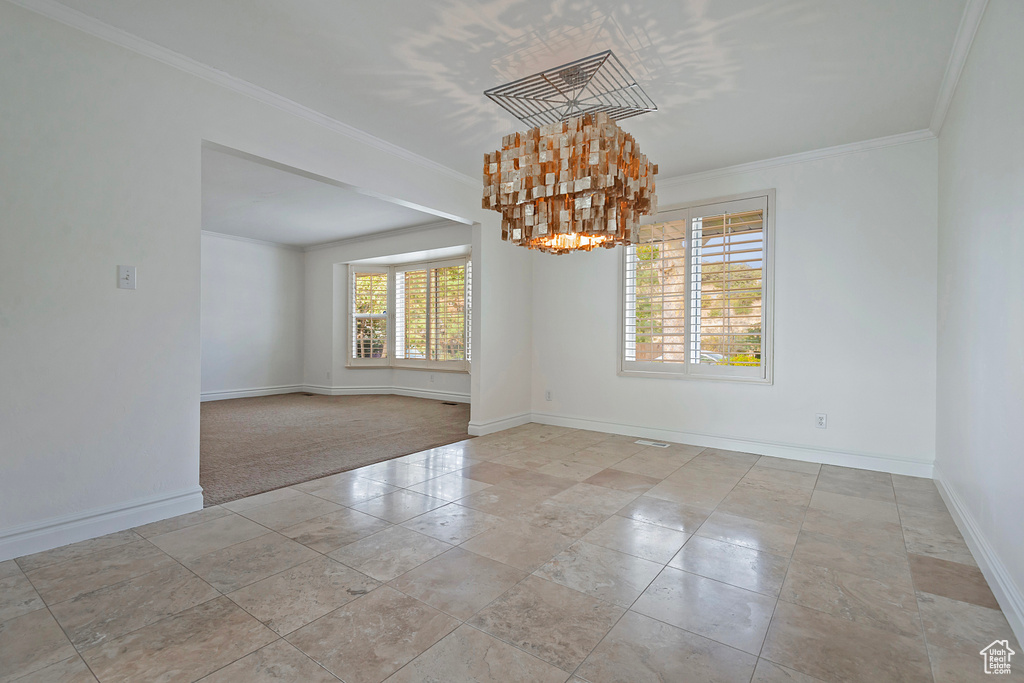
(855, 275)
(502, 329)
(980, 437)
(252, 311)
(326, 317)
(99, 166)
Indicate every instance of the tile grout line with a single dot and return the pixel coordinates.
(786, 576)
(662, 571)
(280, 639)
(67, 637)
(913, 583)
(82, 557)
(220, 594)
(34, 590)
(153, 623)
(656, 577)
(528, 575)
(821, 611)
(625, 610)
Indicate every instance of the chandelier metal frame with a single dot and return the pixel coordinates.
(598, 83)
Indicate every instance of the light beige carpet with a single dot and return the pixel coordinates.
(252, 445)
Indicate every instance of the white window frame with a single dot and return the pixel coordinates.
(700, 371)
(393, 271)
(354, 362)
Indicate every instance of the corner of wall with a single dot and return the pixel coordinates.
(1008, 594)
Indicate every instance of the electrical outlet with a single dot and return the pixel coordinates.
(328, 376)
(547, 395)
(431, 377)
(821, 420)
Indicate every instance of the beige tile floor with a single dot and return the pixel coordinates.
(536, 554)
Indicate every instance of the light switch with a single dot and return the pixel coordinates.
(126, 277)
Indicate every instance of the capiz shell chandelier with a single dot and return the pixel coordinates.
(572, 185)
(576, 180)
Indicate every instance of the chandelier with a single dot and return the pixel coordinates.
(575, 180)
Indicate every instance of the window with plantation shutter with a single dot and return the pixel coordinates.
(469, 311)
(656, 295)
(697, 292)
(369, 324)
(411, 314)
(448, 313)
(432, 303)
(430, 319)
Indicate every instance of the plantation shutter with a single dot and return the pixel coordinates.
(694, 293)
(432, 309)
(411, 314)
(369, 316)
(726, 287)
(469, 311)
(448, 313)
(656, 294)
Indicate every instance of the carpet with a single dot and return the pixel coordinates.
(252, 445)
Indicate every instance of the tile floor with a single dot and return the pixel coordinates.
(536, 554)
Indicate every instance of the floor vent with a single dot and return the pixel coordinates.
(656, 444)
(306, 393)
(449, 403)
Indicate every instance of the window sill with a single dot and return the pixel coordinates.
(462, 370)
(399, 365)
(695, 376)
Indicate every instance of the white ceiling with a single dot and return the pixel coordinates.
(246, 198)
(735, 80)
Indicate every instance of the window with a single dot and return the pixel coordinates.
(369, 316)
(430, 324)
(697, 299)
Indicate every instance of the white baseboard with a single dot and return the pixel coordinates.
(431, 394)
(250, 393)
(57, 531)
(1000, 580)
(864, 461)
(490, 426)
(336, 391)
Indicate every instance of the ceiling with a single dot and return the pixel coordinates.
(247, 198)
(735, 80)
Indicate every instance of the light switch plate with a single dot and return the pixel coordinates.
(126, 277)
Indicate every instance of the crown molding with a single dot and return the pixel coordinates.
(397, 232)
(99, 29)
(799, 158)
(969, 23)
(252, 240)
